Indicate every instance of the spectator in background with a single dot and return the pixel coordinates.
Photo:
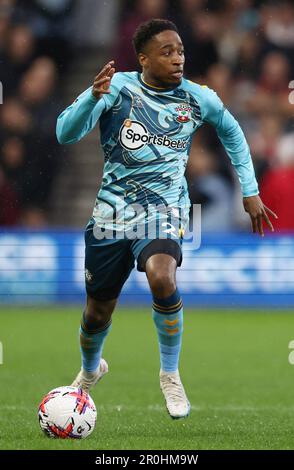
(50, 23)
(264, 140)
(98, 35)
(278, 28)
(17, 204)
(198, 29)
(219, 78)
(19, 52)
(247, 61)
(13, 161)
(29, 151)
(37, 93)
(15, 118)
(142, 10)
(33, 217)
(272, 88)
(277, 188)
(208, 188)
(9, 207)
(5, 13)
(29, 154)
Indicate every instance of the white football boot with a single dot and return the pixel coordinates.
(87, 380)
(172, 388)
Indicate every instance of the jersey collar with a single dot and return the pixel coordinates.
(154, 88)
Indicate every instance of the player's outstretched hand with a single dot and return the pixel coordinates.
(258, 212)
(102, 80)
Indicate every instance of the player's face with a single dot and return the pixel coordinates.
(163, 59)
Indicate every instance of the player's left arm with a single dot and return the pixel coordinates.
(234, 142)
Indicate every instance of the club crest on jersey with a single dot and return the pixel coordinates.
(184, 113)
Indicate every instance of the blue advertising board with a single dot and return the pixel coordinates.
(226, 270)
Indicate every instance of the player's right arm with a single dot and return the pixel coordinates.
(80, 118)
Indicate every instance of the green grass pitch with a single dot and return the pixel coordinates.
(234, 366)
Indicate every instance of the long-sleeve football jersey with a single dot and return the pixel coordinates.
(146, 134)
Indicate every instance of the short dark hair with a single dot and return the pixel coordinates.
(148, 29)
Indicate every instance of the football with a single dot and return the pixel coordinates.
(67, 413)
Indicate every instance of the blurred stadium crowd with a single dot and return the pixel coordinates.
(34, 52)
(243, 49)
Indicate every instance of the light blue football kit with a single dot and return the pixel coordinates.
(146, 135)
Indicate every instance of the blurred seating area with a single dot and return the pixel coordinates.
(34, 53)
(243, 49)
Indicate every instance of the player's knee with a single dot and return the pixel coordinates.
(162, 283)
(98, 313)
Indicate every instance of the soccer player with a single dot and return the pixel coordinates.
(147, 121)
